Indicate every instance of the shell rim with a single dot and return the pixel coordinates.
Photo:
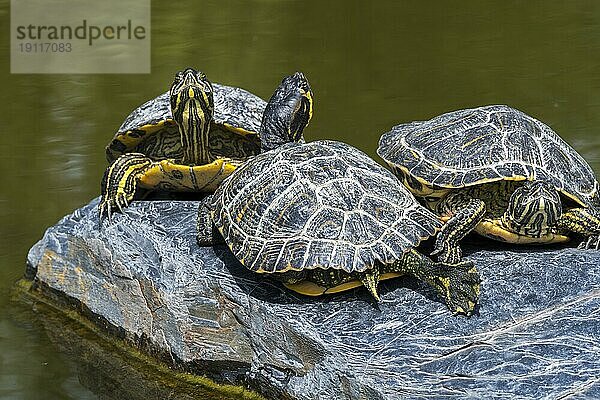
(516, 178)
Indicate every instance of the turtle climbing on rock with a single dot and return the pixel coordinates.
(323, 217)
(499, 172)
(188, 139)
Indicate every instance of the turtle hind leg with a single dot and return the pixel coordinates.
(120, 180)
(458, 284)
(584, 221)
(467, 213)
(206, 233)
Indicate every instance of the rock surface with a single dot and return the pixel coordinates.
(143, 277)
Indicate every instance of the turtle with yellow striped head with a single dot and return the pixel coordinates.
(499, 172)
(186, 140)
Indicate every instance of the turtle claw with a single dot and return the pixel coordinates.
(591, 242)
(120, 180)
(459, 284)
(103, 209)
(109, 204)
(118, 201)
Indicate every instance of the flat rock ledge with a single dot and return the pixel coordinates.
(142, 277)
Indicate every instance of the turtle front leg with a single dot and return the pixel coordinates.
(584, 221)
(458, 284)
(466, 212)
(120, 181)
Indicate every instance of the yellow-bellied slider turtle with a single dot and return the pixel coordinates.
(323, 217)
(498, 171)
(188, 139)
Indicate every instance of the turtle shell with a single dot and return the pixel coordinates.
(486, 144)
(150, 128)
(323, 205)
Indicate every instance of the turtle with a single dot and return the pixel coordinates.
(496, 171)
(187, 139)
(322, 217)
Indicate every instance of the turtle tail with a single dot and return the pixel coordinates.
(370, 279)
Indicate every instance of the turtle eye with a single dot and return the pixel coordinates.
(177, 81)
(178, 77)
(201, 76)
(207, 86)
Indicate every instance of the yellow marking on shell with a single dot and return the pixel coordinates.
(205, 178)
(517, 178)
(426, 185)
(446, 188)
(492, 230)
(469, 143)
(238, 130)
(446, 282)
(130, 141)
(572, 198)
(308, 288)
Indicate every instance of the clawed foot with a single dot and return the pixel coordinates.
(119, 200)
(459, 284)
(591, 242)
(119, 182)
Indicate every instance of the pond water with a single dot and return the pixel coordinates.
(370, 68)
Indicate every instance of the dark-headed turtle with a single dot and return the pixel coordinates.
(188, 139)
(499, 172)
(323, 217)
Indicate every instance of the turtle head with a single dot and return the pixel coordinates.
(288, 112)
(533, 209)
(192, 106)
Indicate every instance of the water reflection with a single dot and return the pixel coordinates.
(88, 363)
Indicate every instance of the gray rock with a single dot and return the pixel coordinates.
(143, 277)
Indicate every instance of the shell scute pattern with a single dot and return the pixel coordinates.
(360, 228)
(291, 209)
(342, 192)
(473, 146)
(324, 225)
(150, 113)
(232, 102)
(378, 209)
(234, 107)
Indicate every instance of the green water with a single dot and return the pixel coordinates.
(370, 67)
